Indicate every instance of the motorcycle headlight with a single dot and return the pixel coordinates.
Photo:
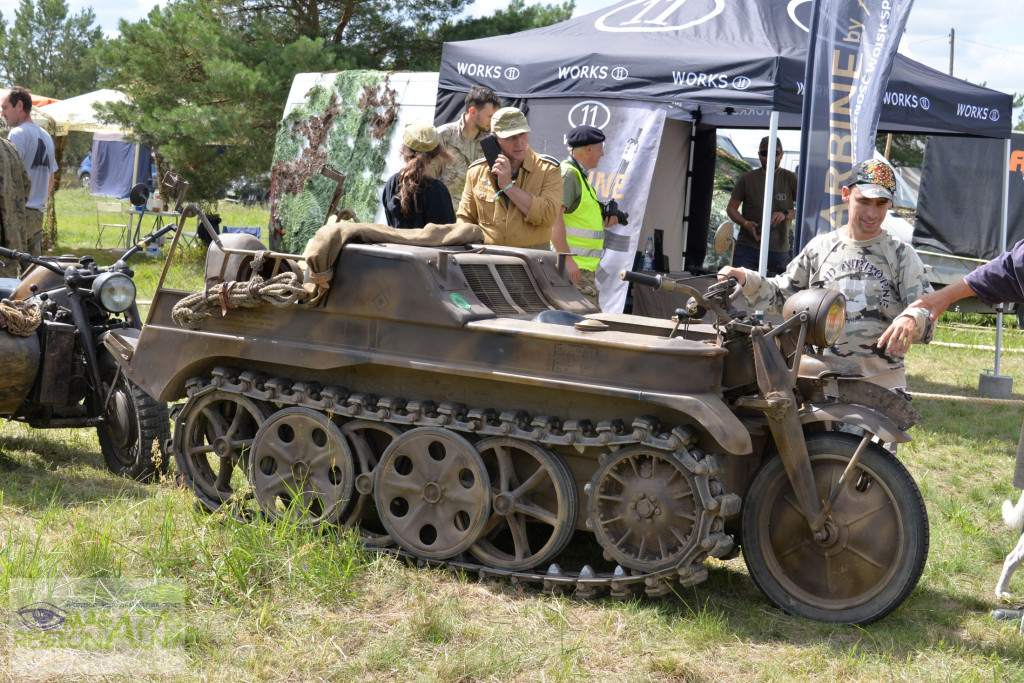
(826, 312)
(114, 291)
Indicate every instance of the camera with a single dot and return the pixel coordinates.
(611, 208)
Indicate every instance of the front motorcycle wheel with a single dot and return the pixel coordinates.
(134, 432)
(875, 539)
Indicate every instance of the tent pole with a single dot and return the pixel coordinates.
(1003, 237)
(135, 166)
(769, 192)
(689, 192)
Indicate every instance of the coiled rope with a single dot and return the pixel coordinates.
(281, 290)
(20, 318)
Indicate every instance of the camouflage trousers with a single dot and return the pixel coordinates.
(587, 286)
(34, 232)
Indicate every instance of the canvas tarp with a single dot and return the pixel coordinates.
(960, 203)
(117, 164)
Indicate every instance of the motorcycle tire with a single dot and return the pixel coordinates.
(876, 536)
(133, 437)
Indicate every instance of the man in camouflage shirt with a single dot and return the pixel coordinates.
(14, 187)
(462, 139)
(879, 274)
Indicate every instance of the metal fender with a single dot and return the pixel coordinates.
(858, 416)
(708, 411)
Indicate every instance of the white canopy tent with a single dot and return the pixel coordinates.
(79, 112)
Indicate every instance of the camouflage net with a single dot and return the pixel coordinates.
(20, 318)
(281, 290)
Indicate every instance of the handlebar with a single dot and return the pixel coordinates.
(25, 257)
(655, 282)
(707, 299)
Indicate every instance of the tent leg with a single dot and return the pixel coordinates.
(994, 384)
(769, 192)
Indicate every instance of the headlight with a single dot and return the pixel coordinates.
(114, 291)
(826, 312)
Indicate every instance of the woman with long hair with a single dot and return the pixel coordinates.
(413, 197)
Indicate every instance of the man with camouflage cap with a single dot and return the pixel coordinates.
(516, 201)
(14, 189)
(879, 274)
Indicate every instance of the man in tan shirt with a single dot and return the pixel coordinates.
(462, 138)
(515, 202)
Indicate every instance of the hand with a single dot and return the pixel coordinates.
(897, 338)
(778, 217)
(503, 170)
(609, 221)
(572, 269)
(752, 227)
(729, 271)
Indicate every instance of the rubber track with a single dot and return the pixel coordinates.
(479, 422)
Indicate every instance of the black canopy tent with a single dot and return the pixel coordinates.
(706, 62)
(704, 56)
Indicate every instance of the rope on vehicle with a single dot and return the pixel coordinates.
(966, 399)
(20, 318)
(281, 290)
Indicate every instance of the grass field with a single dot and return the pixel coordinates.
(263, 602)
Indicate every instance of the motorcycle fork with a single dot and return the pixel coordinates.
(776, 380)
(92, 366)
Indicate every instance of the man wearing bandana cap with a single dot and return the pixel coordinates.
(879, 274)
(579, 229)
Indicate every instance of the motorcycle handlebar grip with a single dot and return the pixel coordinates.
(654, 281)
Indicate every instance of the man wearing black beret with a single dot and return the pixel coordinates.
(579, 230)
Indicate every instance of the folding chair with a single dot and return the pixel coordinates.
(104, 220)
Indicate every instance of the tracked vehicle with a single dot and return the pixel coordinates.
(463, 404)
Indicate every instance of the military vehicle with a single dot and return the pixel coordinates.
(58, 375)
(463, 404)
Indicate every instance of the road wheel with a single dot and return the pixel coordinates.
(875, 542)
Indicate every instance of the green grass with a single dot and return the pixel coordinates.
(280, 602)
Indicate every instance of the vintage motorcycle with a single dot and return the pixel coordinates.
(462, 403)
(58, 374)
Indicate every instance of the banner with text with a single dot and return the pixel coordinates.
(853, 44)
(632, 135)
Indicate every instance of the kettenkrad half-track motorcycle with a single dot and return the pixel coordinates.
(463, 404)
(58, 374)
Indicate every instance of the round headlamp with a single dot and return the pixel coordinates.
(826, 313)
(114, 291)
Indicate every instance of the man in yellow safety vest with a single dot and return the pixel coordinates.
(579, 230)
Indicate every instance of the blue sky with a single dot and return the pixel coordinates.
(989, 45)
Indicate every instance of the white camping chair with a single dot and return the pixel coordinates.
(105, 219)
